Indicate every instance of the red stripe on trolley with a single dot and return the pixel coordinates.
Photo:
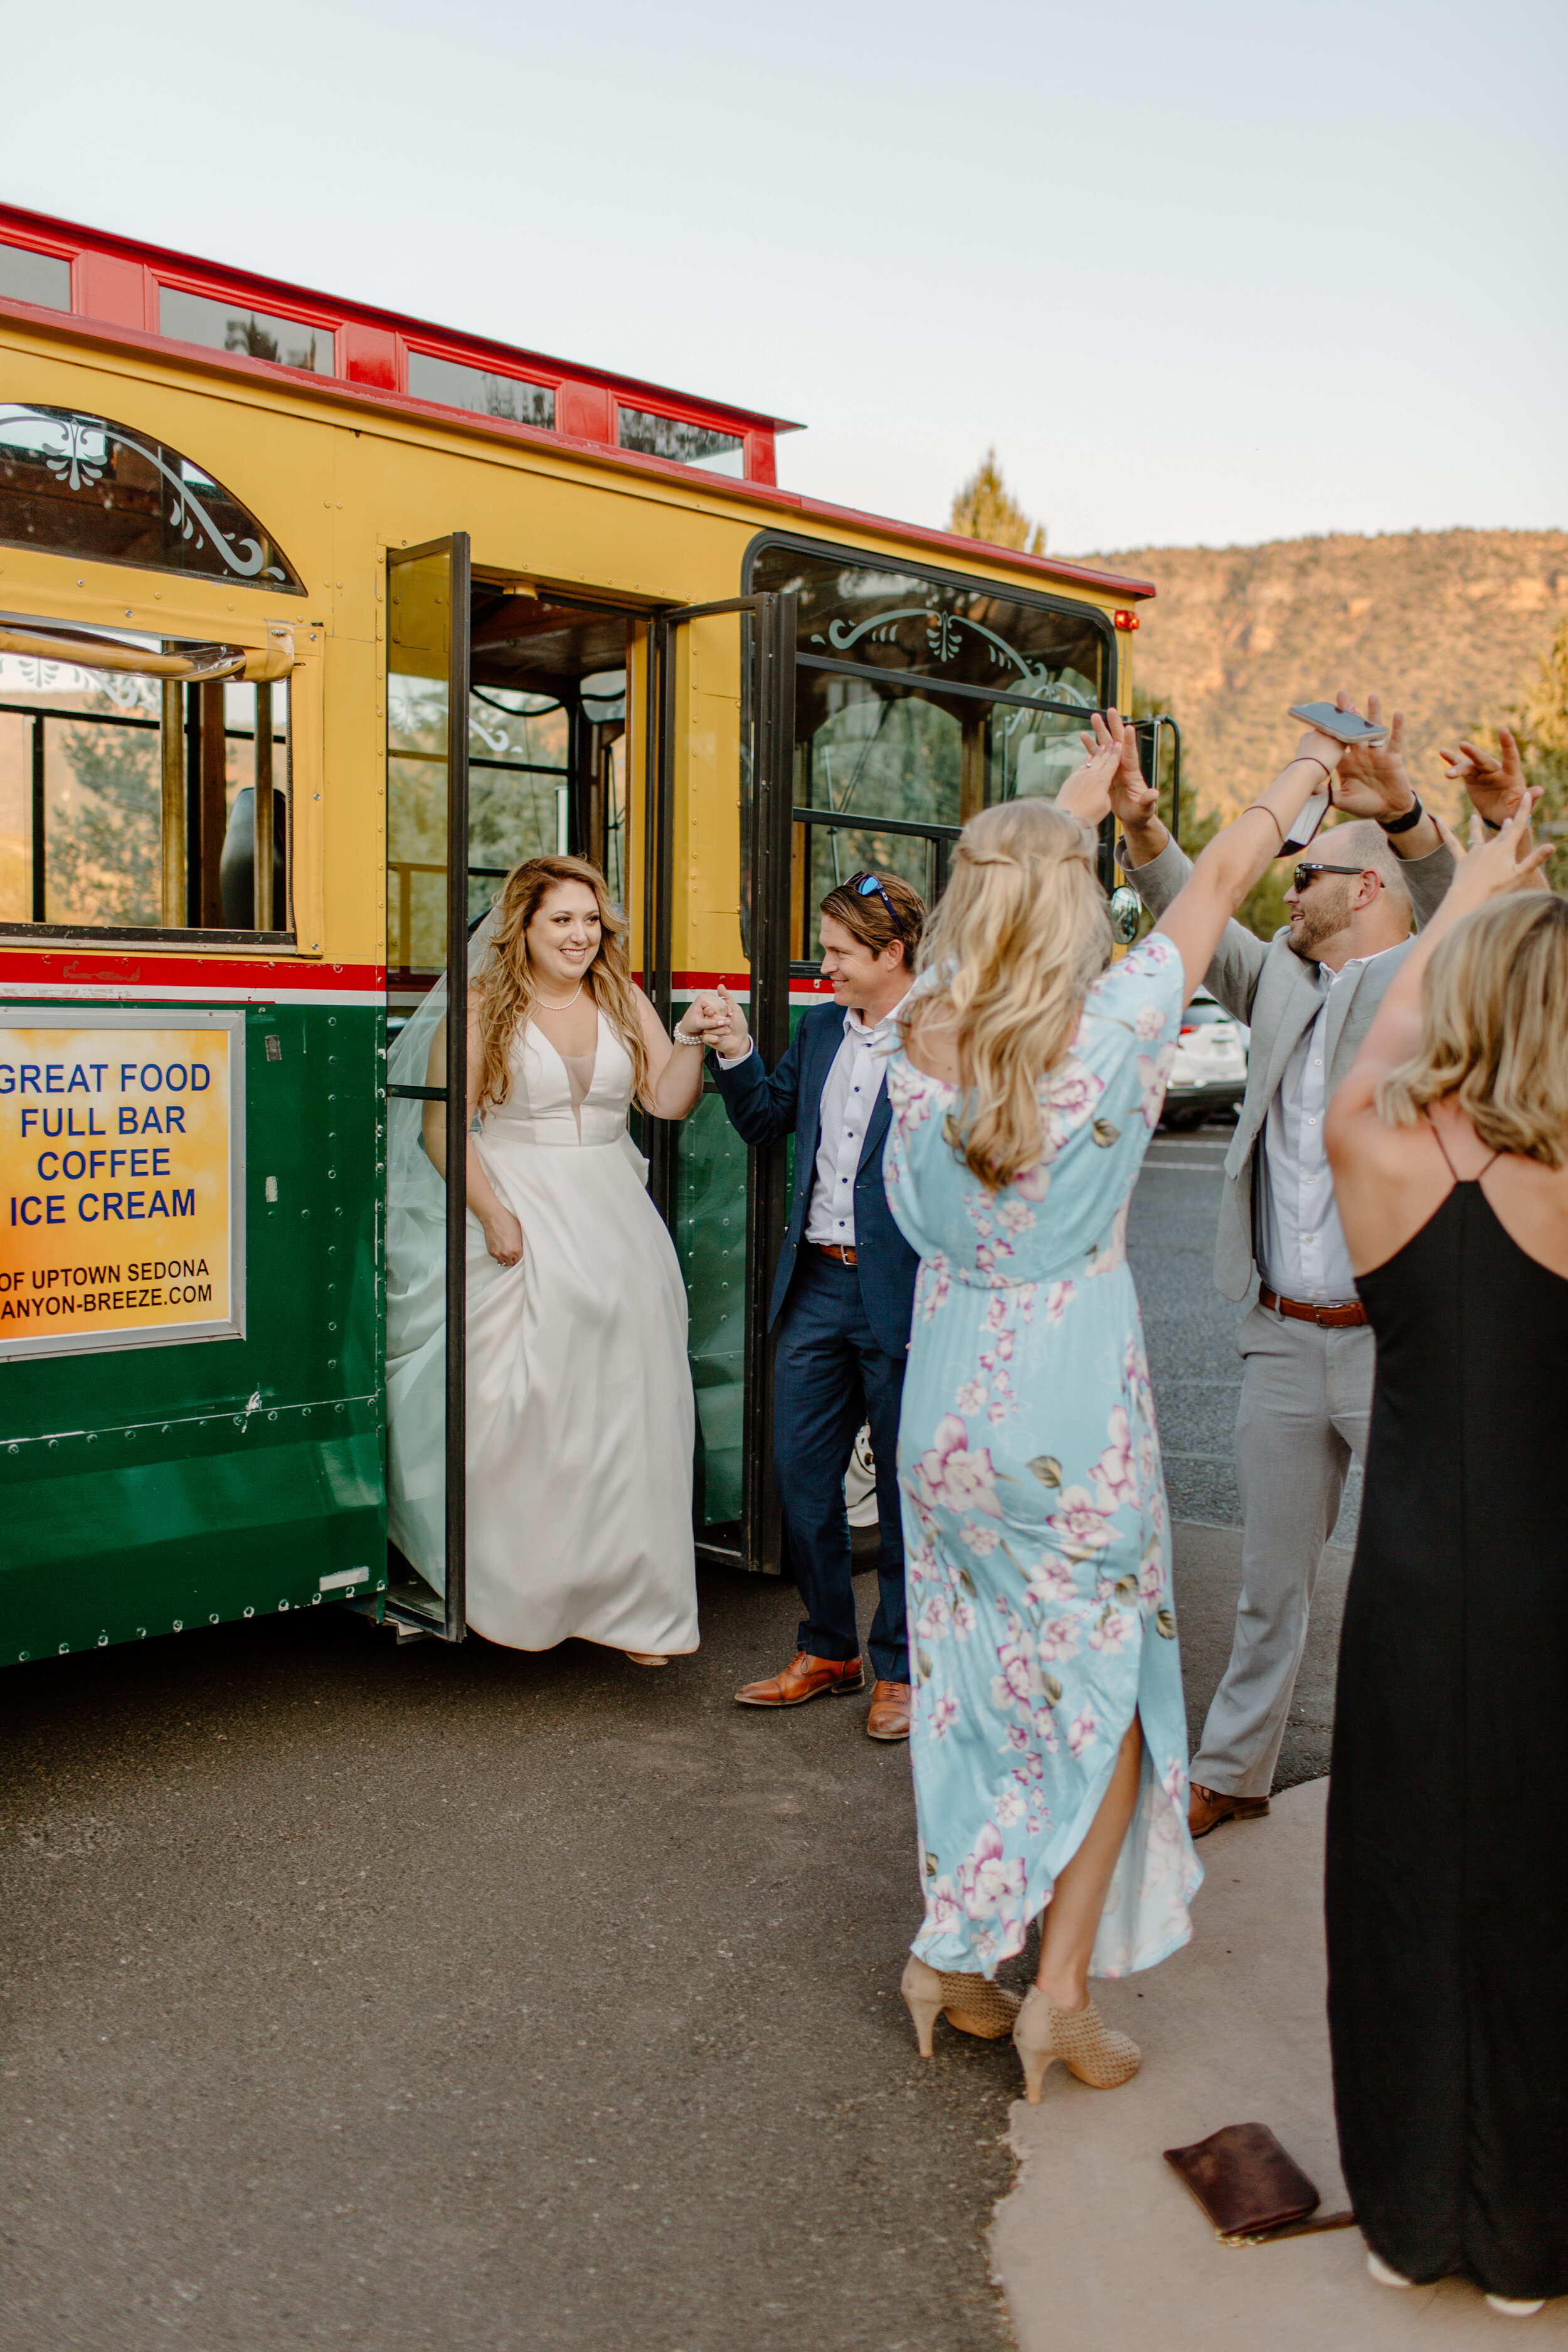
(802, 989)
(101, 972)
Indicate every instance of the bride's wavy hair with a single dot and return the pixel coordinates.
(1020, 932)
(506, 985)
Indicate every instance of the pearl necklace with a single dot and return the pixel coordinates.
(551, 1007)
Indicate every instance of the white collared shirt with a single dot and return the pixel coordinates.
(1301, 1250)
(848, 1098)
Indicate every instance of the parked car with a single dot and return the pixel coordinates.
(1209, 1073)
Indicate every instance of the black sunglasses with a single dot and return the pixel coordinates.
(866, 885)
(1305, 876)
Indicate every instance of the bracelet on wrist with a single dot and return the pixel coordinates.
(1412, 817)
(1487, 822)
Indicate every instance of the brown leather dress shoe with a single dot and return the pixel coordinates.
(805, 1677)
(889, 1715)
(1209, 1807)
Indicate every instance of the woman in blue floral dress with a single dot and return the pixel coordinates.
(1048, 1730)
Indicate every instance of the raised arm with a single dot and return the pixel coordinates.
(1509, 861)
(1240, 856)
(674, 1067)
(761, 1104)
(1159, 871)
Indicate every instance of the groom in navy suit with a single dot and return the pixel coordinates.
(844, 1292)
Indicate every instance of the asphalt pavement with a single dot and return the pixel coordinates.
(1191, 1329)
(352, 1993)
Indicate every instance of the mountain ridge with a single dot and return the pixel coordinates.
(1447, 625)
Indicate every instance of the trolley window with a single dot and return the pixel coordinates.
(84, 486)
(128, 774)
(919, 699)
(287, 343)
(41, 278)
(689, 445)
(457, 386)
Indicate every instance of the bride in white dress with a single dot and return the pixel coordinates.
(580, 1410)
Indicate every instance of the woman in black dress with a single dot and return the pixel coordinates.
(1447, 1856)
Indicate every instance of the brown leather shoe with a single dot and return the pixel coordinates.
(889, 1715)
(805, 1677)
(1209, 1807)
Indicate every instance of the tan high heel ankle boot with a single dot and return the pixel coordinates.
(978, 2005)
(1078, 2037)
(968, 2001)
(921, 1989)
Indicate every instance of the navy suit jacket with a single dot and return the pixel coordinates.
(765, 1105)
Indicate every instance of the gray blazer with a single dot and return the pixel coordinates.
(1265, 984)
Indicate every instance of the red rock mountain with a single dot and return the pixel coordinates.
(1447, 625)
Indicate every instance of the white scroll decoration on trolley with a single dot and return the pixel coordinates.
(121, 1178)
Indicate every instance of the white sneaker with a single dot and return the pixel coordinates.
(1384, 2274)
(1511, 2309)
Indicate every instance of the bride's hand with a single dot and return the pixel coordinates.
(729, 1037)
(503, 1238)
(704, 1018)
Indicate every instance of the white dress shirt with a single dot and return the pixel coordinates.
(1301, 1250)
(848, 1098)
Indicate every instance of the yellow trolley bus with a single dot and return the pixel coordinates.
(313, 621)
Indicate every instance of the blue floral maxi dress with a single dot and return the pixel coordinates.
(1034, 1521)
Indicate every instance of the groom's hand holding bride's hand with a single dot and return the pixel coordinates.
(730, 1037)
(718, 1020)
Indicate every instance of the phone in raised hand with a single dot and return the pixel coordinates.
(1340, 726)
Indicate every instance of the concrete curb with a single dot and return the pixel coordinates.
(1098, 2247)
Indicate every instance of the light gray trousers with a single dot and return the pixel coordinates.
(1306, 1399)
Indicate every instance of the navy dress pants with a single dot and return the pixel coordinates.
(829, 1376)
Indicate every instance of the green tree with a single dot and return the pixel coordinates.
(985, 508)
(103, 847)
(1542, 731)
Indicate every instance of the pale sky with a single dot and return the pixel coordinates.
(1225, 270)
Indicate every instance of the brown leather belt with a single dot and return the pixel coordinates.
(835, 1249)
(1300, 1310)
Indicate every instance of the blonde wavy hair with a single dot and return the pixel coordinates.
(1494, 1029)
(1019, 934)
(506, 986)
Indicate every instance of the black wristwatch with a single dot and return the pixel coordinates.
(1412, 817)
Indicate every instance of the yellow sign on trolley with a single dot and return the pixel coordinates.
(121, 1178)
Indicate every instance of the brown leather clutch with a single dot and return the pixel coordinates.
(1249, 2186)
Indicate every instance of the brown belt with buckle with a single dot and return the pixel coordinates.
(835, 1249)
(1301, 1311)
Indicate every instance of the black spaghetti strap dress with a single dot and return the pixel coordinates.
(1447, 1839)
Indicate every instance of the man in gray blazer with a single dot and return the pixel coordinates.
(1310, 994)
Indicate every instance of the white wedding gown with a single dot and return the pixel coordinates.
(580, 1419)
